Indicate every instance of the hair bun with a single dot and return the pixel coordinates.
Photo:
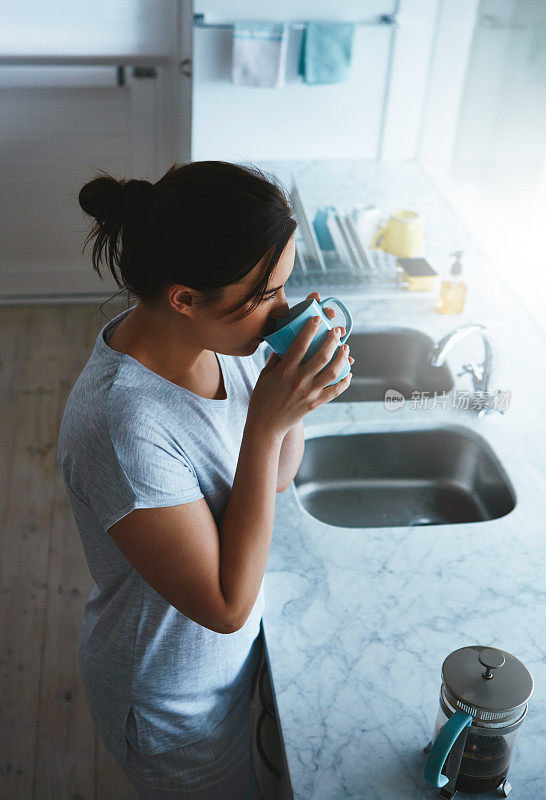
(110, 200)
(136, 199)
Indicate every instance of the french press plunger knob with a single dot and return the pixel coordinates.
(490, 659)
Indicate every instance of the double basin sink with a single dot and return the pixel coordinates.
(431, 475)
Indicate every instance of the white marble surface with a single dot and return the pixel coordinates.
(359, 621)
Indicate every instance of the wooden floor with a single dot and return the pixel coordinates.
(49, 749)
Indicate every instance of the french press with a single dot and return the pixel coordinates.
(483, 701)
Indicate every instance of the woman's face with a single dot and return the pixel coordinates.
(243, 336)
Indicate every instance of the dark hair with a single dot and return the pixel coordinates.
(204, 224)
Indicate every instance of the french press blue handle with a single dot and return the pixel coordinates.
(447, 736)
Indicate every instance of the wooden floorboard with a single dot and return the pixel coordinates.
(49, 748)
(13, 322)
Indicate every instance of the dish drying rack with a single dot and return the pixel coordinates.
(351, 264)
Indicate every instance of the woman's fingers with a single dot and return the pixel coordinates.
(330, 313)
(341, 327)
(328, 310)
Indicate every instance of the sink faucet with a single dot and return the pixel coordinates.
(480, 373)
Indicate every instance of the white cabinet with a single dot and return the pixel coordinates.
(82, 89)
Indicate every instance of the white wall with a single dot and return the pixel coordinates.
(448, 67)
(491, 161)
(507, 66)
(375, 114)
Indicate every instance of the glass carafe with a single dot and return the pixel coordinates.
(477, 722)
(485, 759)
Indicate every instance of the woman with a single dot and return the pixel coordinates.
(172, 447)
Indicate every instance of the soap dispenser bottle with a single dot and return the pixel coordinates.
(453, 289)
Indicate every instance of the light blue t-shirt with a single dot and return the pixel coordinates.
(130, 439)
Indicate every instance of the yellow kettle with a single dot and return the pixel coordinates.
(401, 236)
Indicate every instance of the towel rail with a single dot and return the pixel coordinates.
(382, 19)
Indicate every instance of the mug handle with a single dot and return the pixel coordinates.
(380, 233)
(347, 314)
(448, 735)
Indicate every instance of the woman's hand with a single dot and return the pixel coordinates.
(274, 359)
(330, 313)
(288, 388)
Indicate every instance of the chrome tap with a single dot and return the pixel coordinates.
(480, 373)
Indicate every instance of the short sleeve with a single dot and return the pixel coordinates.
(148, 467)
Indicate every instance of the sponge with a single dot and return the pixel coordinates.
(418, 273)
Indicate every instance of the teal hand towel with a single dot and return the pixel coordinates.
(326, 52)
(259, 53)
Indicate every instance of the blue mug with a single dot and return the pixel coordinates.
(287, 328)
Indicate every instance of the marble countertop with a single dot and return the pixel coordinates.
(359, 621)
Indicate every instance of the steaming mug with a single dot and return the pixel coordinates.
(289, 327)
(401, 236)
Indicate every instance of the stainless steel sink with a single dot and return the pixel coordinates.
(392, 358)
(431, 476)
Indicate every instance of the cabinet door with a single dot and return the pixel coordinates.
(52, 139)
(62, 120)
(267, 750)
